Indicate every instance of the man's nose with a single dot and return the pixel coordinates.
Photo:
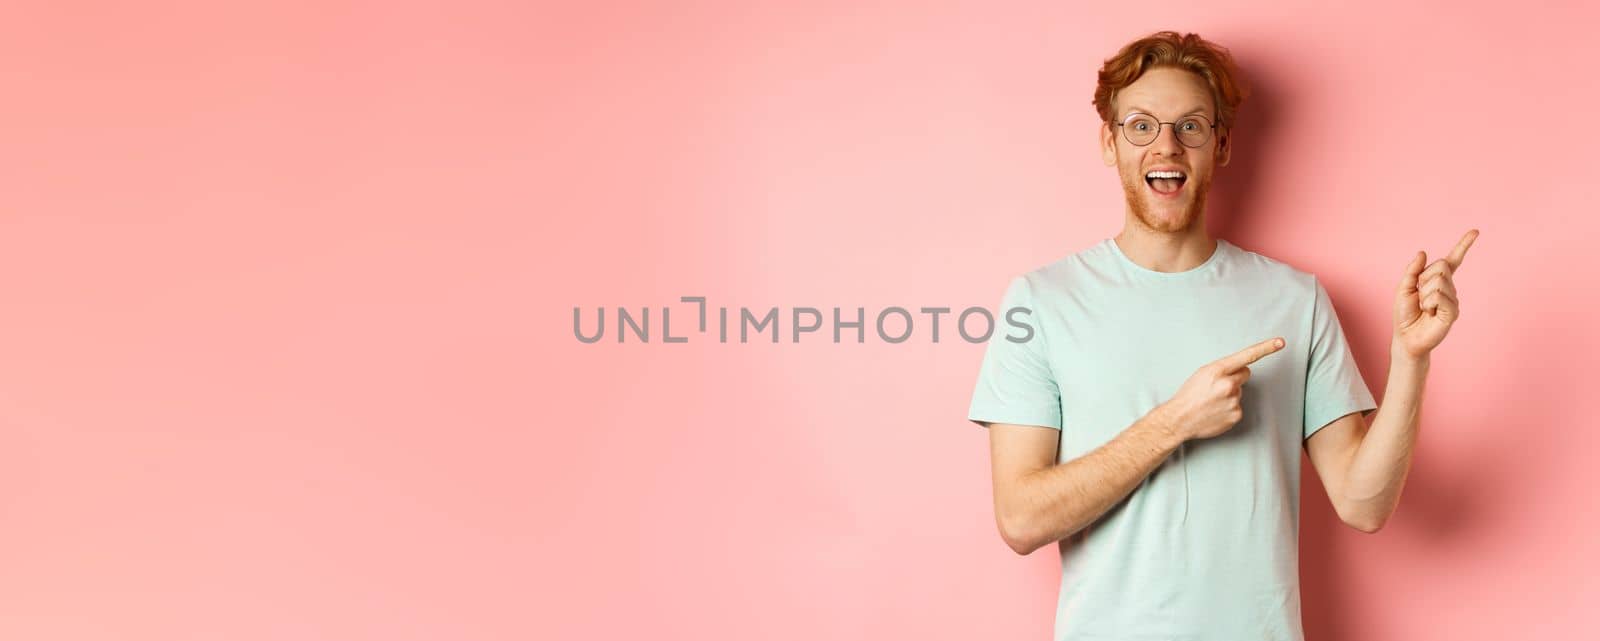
(1166, 142)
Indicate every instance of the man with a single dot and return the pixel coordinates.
(1152, 425)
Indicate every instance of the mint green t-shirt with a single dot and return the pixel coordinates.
(1206, 547)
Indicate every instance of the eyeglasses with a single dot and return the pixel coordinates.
(1142, 129)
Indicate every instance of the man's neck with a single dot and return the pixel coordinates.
(1166, 251)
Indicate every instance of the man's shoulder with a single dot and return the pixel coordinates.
(1066, 270)
(1273, 272)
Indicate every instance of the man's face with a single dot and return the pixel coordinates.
(1168, 95)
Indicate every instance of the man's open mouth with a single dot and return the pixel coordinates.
(1166, 183)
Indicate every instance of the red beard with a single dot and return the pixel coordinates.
(1137, 194)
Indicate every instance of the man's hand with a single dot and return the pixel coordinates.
(1207, 404)
(1426, 305)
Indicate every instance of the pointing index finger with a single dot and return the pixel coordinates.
(1460, 251)
(1250, 354)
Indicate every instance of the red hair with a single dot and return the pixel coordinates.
(1188, 52)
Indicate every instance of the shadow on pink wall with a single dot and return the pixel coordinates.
(1450, 501)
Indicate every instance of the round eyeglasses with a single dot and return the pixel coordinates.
(1142, 129)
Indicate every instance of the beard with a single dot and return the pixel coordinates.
(1135, 192)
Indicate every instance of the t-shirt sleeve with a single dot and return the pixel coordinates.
(1334, 386)
(1015, 383)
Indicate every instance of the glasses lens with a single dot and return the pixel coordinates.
(1141, 129)
(1193, 132)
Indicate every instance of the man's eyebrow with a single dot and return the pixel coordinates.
(1199, 110)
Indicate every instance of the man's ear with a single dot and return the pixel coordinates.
(1224, 148)
(1108, 145)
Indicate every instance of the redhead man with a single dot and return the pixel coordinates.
(1152, 426)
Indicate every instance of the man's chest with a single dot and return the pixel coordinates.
(1117, 354)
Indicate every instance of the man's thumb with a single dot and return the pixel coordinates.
(1413, 270)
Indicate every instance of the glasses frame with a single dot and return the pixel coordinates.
(1210, 133)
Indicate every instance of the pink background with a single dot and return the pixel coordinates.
(288, 293)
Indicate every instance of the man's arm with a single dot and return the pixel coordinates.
(1038, 502)
(1364, 468)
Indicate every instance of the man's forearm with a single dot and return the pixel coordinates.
(1057, 501)
(1379, 467)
